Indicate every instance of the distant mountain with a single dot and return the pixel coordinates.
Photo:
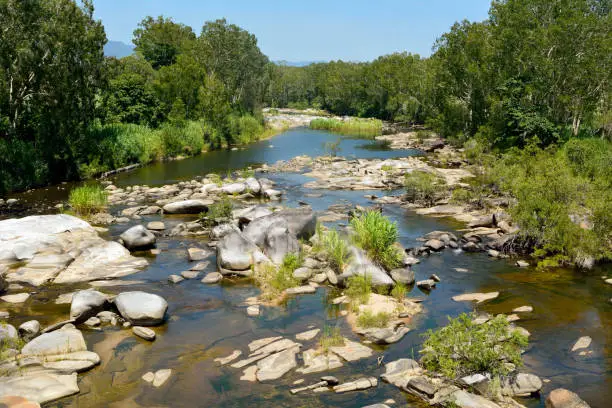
(118, 49)
(297, 63)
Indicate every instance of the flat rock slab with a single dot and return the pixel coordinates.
(307, 335)
(16, 298)
(249, 374)
(41, 386)
(213, 277)
(352, 351)
(523, 309)
(277, 365)
(63, 341)
(257, 344)
(228, 359)
(399, 372)
(361, 384)
(190, 274)
(475, 297)
(161, 376)
(300, 290)
(277, 346)
(315, 362)
(17, 402)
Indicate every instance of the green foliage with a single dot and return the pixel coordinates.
(422, 187)
(273, 281)
(358, 289)
(332, 148)
(352, 126)
(161, 40)
(334, 248)
(7, 343)
(87, 200)
(399, 292)
(244, 129)
(367, 319)
(377, 236)
(463, 348)
(331, 337)
(218, 211)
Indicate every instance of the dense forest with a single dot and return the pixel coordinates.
(536, 71)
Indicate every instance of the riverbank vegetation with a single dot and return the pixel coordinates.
(377, 236)
(178, 94)
(352, 126)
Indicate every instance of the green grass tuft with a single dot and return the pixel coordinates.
(88, 200)
(352, 126)
(331, 337)
(367, 319)
(377, 236)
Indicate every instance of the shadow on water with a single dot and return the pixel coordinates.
(209, 321)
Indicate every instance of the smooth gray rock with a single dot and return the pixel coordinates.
(359, 264)
(219, 231)
(400, 371)
(87, 303)
(137, 238)
(521, 385)
(198, 254)
(435, 244)
(144, 333)
(303, 273)
(156, 226)
(141, 308)
(562, 398)
(464, 399)
(252, 185)
(213, 277)
(187, 207)
(234, 188)
(40, 386)
(403, 275)
(28, 330)
(280, 242)
(64, 341)
(175, 279)
(236, 253)
(8, 333)
(301, 222)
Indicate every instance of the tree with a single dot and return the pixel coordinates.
(231, 55)
(51, 58)
(161, 40)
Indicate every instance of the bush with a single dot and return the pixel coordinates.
(218, 211)
(358, 289)
(245, 129)
(367, 319)
(377, 236)
(422, 187)
(273, 281)
(87, 200)
(464, 348)
(182, 138)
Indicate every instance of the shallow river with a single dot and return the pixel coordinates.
(208, 321)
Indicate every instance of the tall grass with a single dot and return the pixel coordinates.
(352, 126)
(87, 200)
(334, 248)
(331, 337)
(368, 319)
(358, 290)
(377, 236)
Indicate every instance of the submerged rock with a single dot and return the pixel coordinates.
(562, 398)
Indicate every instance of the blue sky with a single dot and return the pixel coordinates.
(311, 30)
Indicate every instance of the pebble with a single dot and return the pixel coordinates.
(144, 333)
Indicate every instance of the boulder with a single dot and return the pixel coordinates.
(29, 329)
(301, 222)
(279, 242)
(361, 265)
(303, 273)
(141, 308)
(187, 207)
(236, 254)
(234, 188)
(137, 238)
(399, 372)
(247, 215)
(252, 185)
(562, 398)
(8, 333)
(521, 385)
(403, 275)
(219, 231)
(87, 303)
(435, 244)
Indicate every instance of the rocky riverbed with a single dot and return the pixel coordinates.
(147, 303)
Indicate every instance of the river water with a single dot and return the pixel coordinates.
(209, 321)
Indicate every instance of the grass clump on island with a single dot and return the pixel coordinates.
(273, 280)
(88, 200)
(377, 236)
(352, 126)
(333, 247)
(367, 319)
(331, 337)
(423, 187)
(464, 348)
(217, 212)
(358, 290)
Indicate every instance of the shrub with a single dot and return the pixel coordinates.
(377, 235)
(273, 281)
(331, 337)
(182, 138)
(87, 200)
(367, 319)
(358, 289)
(463, 348)
(422, 187)
(218, 211)
(245, 129)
